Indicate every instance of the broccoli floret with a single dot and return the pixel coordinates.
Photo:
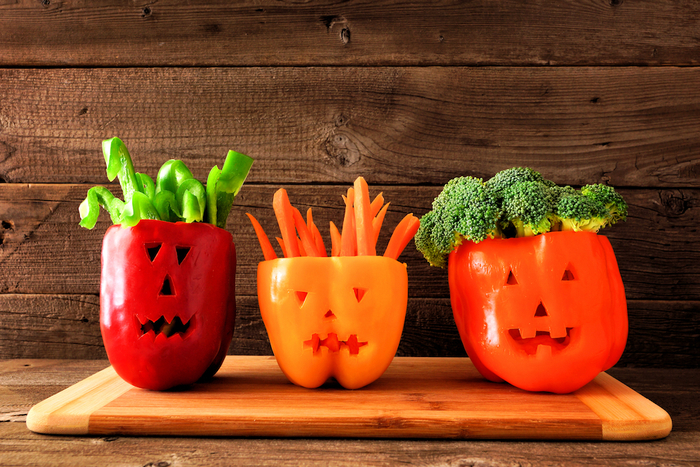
(577, 212)
(464, 210)
(503, 180)
(517, 202)
(527, 206)
(557, 193)
(608, 197)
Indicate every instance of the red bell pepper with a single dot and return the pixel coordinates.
(167, 301)
(167, 287)
(544, 313)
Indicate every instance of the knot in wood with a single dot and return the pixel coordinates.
(6, 227)
(674, 204)
(342, 149)
(158, 464)
(341, 120)
(331, 20)
(345, 36)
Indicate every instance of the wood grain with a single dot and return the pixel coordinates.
(22, 447)
(45, 251)
(387, 32)
(627, 126)
(50, 326)
(416, 397)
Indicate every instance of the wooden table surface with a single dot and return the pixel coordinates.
(23, 383)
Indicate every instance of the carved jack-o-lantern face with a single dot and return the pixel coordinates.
(544, 313)
(338, 317)
(167, 303)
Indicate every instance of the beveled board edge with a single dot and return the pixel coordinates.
(625, 414)
(68, 412)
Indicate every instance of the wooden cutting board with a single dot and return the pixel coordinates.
(415, 398)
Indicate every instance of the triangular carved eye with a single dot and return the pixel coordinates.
(301, 296)
(152, 249)
(182, 252)
(511, 279)
(359, 293)
(568, 275)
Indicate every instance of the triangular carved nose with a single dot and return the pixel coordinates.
(329, 315)
(167, 288)
(541, 311)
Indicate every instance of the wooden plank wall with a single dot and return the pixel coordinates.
(407, 94)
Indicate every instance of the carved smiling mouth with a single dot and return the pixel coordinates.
(168, 329)
(332, 343)
(531, 345)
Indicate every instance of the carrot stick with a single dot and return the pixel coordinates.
(306, 239)
(335, 240)
(394, 241)
(268, 251)
(281, 244)
(363, 219)
(377, 223)
(348, 243)
(403, 233)
(377, 204)
(285, 219)
(320, 246)
(302, 250)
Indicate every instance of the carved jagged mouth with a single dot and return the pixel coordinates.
(541, 338)
(333, 344)
(168, 329)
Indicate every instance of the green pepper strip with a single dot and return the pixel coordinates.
(191, 196)
(146, 185)
(119, 165)
(167, 206)
(223, 186)
(90, 208)
(211, 194)
(171, 175)
(176, 194)
(140, 207)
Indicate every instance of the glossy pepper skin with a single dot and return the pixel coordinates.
(544, 313)
(156, 273)
(338, 317)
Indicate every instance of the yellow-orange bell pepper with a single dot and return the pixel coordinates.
(339, 317)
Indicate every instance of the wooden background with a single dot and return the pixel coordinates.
(407, 94)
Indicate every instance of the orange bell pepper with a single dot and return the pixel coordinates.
(544, 313)
(339, 317)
